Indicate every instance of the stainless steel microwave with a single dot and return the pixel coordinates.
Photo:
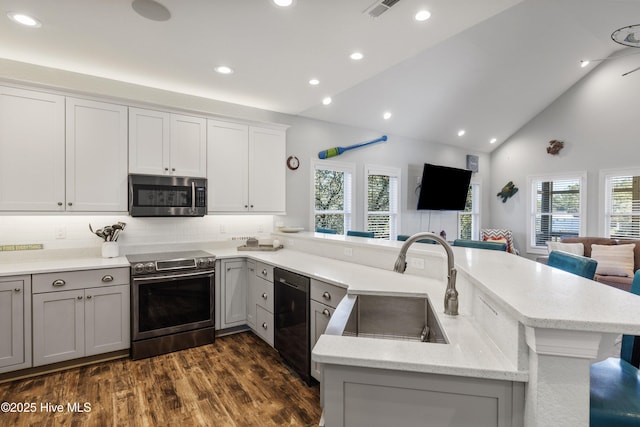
(160, 195)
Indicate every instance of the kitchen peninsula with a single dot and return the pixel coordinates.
(524, 329)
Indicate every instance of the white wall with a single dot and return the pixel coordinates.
(305, 138)
(598, 120)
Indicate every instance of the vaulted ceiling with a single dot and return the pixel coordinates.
(487, 66)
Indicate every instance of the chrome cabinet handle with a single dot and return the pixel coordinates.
(59, 203)
(18, 290)
(326, 295)
(264, 325)
(107, 278)
(79, 297)
(88, 296)
(264, 272)
(264, 295)
(326, 312)
(70, 204)
(58, 283)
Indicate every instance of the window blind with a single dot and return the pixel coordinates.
(623, 217)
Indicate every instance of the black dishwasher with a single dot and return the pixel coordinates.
(291, 333)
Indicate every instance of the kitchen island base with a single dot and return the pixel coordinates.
(356, 396)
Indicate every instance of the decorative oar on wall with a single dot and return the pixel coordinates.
(336, 151)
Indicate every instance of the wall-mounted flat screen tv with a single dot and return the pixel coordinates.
(443, 188)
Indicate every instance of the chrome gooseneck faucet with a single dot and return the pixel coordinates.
(451, 294)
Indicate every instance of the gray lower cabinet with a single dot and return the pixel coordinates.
(370, 397)
(260, 300)
(80, 313)
(233, 293)
(15, 323)
(324, 299)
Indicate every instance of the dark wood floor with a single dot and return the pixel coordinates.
(237, 381)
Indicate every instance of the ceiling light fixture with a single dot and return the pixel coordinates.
(461, 132)
(356, 56)
(584, 63)
(386, 115)
(422, 15)
(627, 36)
(283, 3)
(23, 19)
(326, 101)
(151, 9)
(493, 140)
(223, 69)
(314, 82)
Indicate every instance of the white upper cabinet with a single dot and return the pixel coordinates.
(245, 167)
(96, 156)
(32, 152)
(167, 144)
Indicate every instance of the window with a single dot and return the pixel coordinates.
(469, 219)
(383, 189)
(622, 204)
(333, 195)
(557, 209)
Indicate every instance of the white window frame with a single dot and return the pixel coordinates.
(532, 182)
(394, 212)
(349, 189)
(605, 194)
(475, 211)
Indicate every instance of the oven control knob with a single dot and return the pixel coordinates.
(138, 268)
(149, 267)
(212, 262)
(202, 263)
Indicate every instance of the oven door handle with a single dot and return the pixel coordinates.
(173, 276)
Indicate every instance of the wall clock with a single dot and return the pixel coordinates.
(293, 163)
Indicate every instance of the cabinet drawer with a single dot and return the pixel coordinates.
(264, 271)
(264, 325)
(71, 280)
(264, 295)
(326, 293)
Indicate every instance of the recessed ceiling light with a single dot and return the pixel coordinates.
(493, 140)
(356, 56)
(314, 82)
(422, 15)
(584, 63)
(461, 132)
(283, 3)
(326, 101)
(386, 115)
(223, 69)
(26, 20)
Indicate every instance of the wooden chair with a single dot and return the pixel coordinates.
(615, 383)
(368, 234)
(326, 230)
(496, 246)
(488, 234)
(576, 264)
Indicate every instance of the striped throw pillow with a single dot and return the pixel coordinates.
(613, 260)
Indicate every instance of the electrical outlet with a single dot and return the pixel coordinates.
(61, 232)
(260, 228)
(348, 251)
(223, 229)
(417, 263)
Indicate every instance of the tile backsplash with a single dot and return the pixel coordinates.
(72, 231)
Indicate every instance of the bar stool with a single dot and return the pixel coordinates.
(495, 246)
(576, 264)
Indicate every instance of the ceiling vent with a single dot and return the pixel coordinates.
(380, 7)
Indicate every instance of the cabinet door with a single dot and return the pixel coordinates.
(106, 312)
(188, 153)
(15, 353)
(267, 180)
(252, 293)
(58, 326)
(234, 293)
(227, 166)
(31, 151)
(320, 315)
(149, 141)
(96, 156)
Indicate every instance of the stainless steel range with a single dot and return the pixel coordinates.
(172, 301)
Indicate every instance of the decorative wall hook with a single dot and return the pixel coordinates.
(507, 191)
(555, 146)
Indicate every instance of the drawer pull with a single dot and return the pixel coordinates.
(264, 272)
(17, 289)
(107, 278)
(58, 283)
(326, 312)
(88, 296)
(264, 295)
(326, 295)
(79, 296)
(264, 325)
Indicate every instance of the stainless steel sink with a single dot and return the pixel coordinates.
(386, 317)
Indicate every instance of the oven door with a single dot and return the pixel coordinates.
(172, 303)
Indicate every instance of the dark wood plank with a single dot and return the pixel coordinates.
(238, 381)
